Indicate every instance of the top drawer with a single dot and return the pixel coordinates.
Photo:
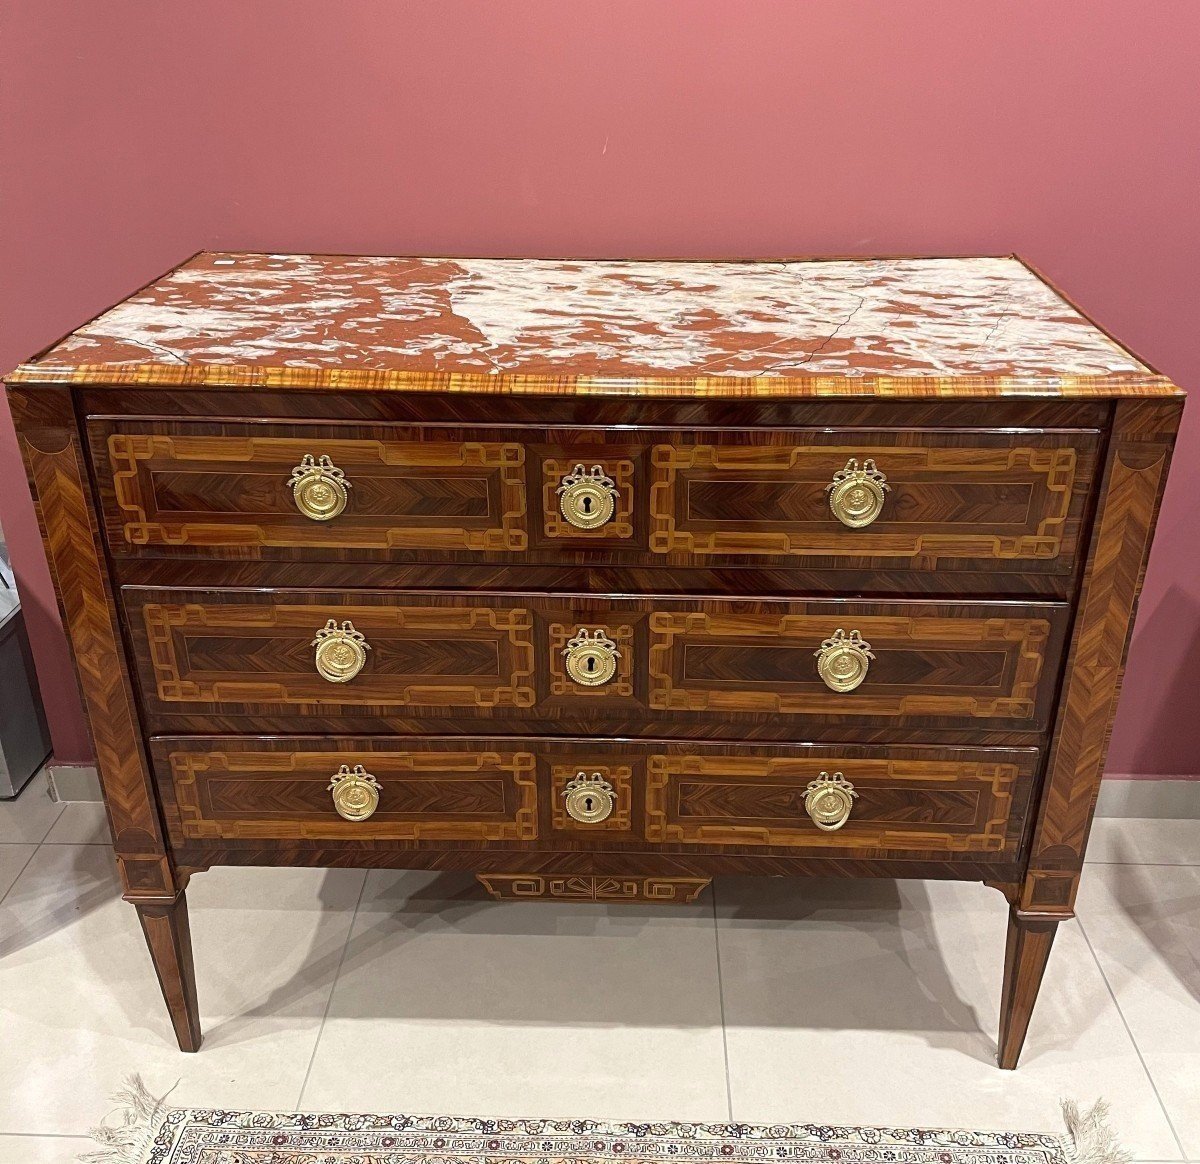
(881, 499)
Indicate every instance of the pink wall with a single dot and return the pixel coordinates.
(135, 133)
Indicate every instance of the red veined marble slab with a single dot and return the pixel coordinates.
(914, 326)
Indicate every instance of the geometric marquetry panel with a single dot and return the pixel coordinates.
(952, 498)
(231, 648)
(205, 485)
(233, 790)
(945, 801)
(960, 664)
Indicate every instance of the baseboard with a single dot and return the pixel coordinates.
(74, 781)
(1174, 798)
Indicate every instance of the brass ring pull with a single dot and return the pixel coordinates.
(829, 800)
(591, 657)
(587, 497)
(843, 659)
(355, 792)
(341, 651)
(590, 798)
(856, 495)
(319, 488)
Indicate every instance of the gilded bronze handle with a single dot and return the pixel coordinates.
(587, 497)
(829, 800)
(843, 659)
(319, 487)
(591, 657)
(341, 651)
(590, 798)
(856, 495)
(355, 792)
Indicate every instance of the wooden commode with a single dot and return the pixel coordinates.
(599, 579)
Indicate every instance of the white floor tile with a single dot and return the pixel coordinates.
(1133, 840)
(27, 818)
(878, 1002)
(13, 858)
(449, 1002)
(1177, 1077)
(79, 998)
(1144, 924)
(80, 823)
(857, 1002)
(44, 1149)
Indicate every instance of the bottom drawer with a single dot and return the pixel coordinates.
(539, 794)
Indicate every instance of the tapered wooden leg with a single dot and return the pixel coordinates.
(1025, 956)
(170, 940)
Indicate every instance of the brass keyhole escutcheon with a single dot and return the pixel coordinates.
(319, 488)
(341, 651)
(355, 792)
(843, 660)
(589, 797)
(856, 495)
(829, 801)
(587, 498)
(591, 658)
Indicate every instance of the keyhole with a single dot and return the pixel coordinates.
(591, 665)
(587, 505)
(587, 804)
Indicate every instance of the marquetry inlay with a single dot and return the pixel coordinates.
(983, 499)
(663, 890)
(922, 805)
(181, 490)
(468, 795)
(260, 652)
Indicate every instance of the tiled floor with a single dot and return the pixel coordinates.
(860, 1002)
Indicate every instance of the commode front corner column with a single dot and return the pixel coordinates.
(1135, 472)
(52, 448)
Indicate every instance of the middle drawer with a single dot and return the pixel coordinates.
(589, 663)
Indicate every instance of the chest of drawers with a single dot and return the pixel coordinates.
(598, 580)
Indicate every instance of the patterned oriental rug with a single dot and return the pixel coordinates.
(148, 1131)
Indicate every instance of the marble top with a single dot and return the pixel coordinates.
(345, 321)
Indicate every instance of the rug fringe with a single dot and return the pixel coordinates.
(1089, 1139)
(129, 1142)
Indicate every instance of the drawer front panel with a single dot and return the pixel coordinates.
(975, 663)
(231, 649)
(197, 487)
(920, 802)
(586, 659)
(947, 801)
(944, 500)
(246, 790)
(947, 500)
